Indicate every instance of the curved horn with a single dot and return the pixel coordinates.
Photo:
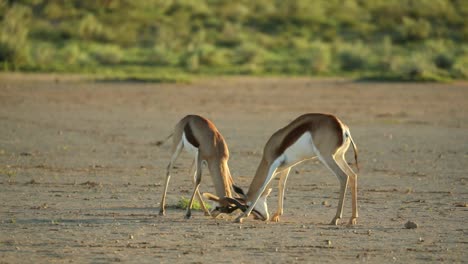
(211, 197)
(238, 190)
(237, 204)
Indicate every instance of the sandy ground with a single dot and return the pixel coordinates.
(81, 178)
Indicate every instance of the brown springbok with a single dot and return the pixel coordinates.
(309, 136)
(200, 137)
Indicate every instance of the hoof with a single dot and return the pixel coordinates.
(162, 213)
(335, 221)
(239, 219)
(275, 218)
(188, 216)
(207, 214)
(352, 221)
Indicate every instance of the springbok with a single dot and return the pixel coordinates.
(200, 137)
(308, 136)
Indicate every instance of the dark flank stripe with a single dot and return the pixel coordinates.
(318, 121)
(190, 137)
(292, 137)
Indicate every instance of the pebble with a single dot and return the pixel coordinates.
(411, 225)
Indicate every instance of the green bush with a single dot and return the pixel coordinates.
(107, 54)
(212, 56)
(353, 57)
(419, 67)
(248, 53)
(460, 67)
(161, 55)
(91, 28)
(72, 55)
(44, 56)
(405, 40)
(444, 61)
(385, 54)
(321, 57)
(412, 29)
(14, 29)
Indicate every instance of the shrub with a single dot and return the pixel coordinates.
(444, 61)
(14, 31)
(213, 56)
(162, 56)
(190, 60)
(248, 53)
(321, 57)
(230, 37)
(107, 54)
(460, 67)
(418, 67)
(353, 57)
(386, 60)
(413, 30)
(91, 29)
(72, 55)
(43, 56)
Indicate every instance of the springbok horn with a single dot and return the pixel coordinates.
(236, 202)
(238, 190)
(211, 197)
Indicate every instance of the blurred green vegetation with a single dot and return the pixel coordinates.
(414, 40)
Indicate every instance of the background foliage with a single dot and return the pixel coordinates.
(401, 39)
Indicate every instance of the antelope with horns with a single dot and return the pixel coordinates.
(201, 138)
(309, 136)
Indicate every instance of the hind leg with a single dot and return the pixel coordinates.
(353, 183)
(175, 154)
(331, 164)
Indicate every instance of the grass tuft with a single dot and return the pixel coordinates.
(184, 202)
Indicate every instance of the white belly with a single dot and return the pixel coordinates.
(302, 149)
(189, 147)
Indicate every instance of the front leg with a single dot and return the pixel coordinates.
(281, 188)
(271, 173)
(202, 204)
(198, 176)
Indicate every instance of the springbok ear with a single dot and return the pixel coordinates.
(238, 190)
(211, 197)
(237, 203)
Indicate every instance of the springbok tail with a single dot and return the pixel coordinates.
(160, 142)
(355, 149)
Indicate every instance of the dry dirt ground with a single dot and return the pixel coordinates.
(81, 177)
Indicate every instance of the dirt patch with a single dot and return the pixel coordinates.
(81, 177)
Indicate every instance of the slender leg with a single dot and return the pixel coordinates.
(343, 178)
(193, 172)
(195, 190)
(175, 155)
(271, 173)
(353, 182)
(281, 188)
